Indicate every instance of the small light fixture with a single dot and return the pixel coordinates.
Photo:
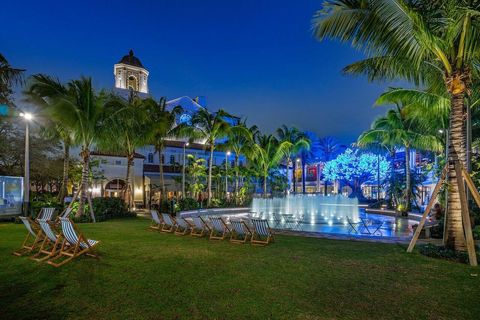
(26, 115)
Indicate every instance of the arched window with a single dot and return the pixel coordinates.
(150, 158)
(132, 83)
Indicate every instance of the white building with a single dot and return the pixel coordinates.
(130, 74)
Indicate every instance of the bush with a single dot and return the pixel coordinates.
(188, 204)
(44, 200)
(476, 232)
(438, 252)
(105, 209)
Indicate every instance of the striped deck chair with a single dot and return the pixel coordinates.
(51, 242)
(240, 231)
(169, 223)
(200, 227)
(219, 228)
(34, 237)
(262, 234)
(46, 214)
(183, 227)
(74, 244)
(156, 220)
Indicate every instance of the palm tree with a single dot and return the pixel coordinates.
(127, 133)
(396, 129)
(268, 152)
(298, 141)
(9, 76)
(208, 127)
(434, 43)
(329, 148)
(78, 107)
(239, 141)
(160, 123)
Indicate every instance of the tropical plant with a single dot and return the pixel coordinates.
(329, 148)
(78, 107)
(9, 76)
(196, 171)
(268, 152)
(396, 129)
(299, 141)
(159, 125)
(207, 127)
(431, 43)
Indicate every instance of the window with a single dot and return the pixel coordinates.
(132, 83)
(232, 163)
(150, 158)
(118, 162)
(172, 159)
(163, 159)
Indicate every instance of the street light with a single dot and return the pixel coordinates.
(26, 196)
(226, 174)
(183, 170)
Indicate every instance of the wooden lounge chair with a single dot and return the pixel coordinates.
(51, 243)
(156, 220)
(182, 227)
(169, 223)
(219, 228)
(34, 237)
(46, 214)
(74, 244)
(199, 228)
(240, 231)
(262, 234)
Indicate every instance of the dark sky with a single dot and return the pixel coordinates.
(254, 58)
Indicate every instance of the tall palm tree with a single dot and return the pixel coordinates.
(434, 43)
(161, 122)
(298, 141)
(208, 127)
(268, 152)
(9, 76)
(127, 133)
(396, 129)
(239, 141)
(78, 107)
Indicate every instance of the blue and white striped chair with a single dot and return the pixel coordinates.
(46, 213)
(156, 220)
(240, 231)
(51, 243)
(169, 223)
(262, 234)
(33, 238)
(200, 227)
(74, 244)
(183, 226)
(219, 228)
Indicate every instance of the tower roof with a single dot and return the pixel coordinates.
(131, 60)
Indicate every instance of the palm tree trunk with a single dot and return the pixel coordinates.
(408, 187)
(289, 182)
(294, 177)
(128, 187)
(236, 178)
(209, 181)
(265, 186)
(456, 153)
(66, 164)
(392, 176)
(85, 154)
(303, 175)
(162, 179)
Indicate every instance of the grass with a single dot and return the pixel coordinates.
(149, 275)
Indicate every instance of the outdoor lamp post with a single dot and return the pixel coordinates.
(183, 170)
(226, 174)
(26, 183)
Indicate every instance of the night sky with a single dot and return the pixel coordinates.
(253, 58)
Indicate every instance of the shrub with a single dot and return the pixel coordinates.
(44, 200)
(188, 204)
(476, 232)
(441, 252)
(105, 209)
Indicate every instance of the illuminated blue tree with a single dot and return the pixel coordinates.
(354, 168)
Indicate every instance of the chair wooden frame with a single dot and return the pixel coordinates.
(218, 227)
(236, 224)
(182, 227)
(49, 247)
(198, 231)
(33, 238)
(168, 226)
(155, 225)
(72, 249)
(261, 229)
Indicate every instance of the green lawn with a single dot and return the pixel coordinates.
(149, 275)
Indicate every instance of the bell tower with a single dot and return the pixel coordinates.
(130, 74)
